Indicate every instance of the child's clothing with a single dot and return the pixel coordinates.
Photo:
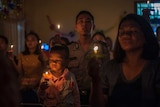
(62, 91)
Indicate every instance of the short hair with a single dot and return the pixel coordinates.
(84, 12)
(4, 38)
(58, 48)
(99, 33)
(150, 48)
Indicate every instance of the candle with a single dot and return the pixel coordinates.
(95, 49)
(58, 26)
(40, 41)
(12, 46)
(47, 75)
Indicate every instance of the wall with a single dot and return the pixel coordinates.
(107, 14)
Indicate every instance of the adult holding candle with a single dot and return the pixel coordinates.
(8, 52)
(31, 63)
(132, 78)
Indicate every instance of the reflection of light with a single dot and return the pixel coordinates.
(148, 1)
(95, 49)
(42, 47)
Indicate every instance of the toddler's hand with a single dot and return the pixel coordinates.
(44, 86)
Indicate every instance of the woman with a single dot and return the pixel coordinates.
(132, 78)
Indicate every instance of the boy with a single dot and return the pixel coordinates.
(58, 86)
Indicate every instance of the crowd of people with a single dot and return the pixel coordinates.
(91, 71)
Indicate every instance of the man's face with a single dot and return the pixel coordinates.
(84, 25)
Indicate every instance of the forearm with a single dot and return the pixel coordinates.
(97, 98)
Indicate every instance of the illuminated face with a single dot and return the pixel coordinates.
(56, 62)
(130, 36)
(84, 25)
(31, 41)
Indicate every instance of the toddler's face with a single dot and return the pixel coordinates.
(56, 62)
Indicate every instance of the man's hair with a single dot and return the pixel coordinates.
(4, 38)
(84, 12)
(58, 48)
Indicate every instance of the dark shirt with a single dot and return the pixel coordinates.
(126, 93)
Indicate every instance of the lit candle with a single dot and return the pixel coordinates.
(47, 75)
(40, 41)
(12, 46)
(58, 26)
(95, 49)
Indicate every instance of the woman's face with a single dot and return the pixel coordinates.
(31, 41)
(130, 36)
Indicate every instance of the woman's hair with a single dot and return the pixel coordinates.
(150, 48)
(37, 51)
(60, 48)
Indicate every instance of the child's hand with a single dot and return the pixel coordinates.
(44, 86)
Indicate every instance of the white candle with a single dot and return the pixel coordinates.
(58, 26)
(12, 46)
(95, 49)
(40, 41)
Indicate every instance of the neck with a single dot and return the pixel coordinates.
(31, 51)
(85, 42)
(57, 73)
(133, 58)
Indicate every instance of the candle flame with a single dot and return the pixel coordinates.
(12, 46)
(40, 41)
(95, 49)
(46, 73)
(58, 26)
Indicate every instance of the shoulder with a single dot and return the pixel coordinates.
(74, 45)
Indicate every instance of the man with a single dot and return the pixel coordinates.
(84, 26)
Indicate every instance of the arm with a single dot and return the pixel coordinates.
(97, 98)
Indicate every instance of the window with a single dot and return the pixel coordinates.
(154, 8)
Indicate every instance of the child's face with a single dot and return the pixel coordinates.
(56, 62)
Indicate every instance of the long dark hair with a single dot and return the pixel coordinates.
(150, 48)
(37, 51)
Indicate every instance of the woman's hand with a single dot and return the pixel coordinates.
(93, 68)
